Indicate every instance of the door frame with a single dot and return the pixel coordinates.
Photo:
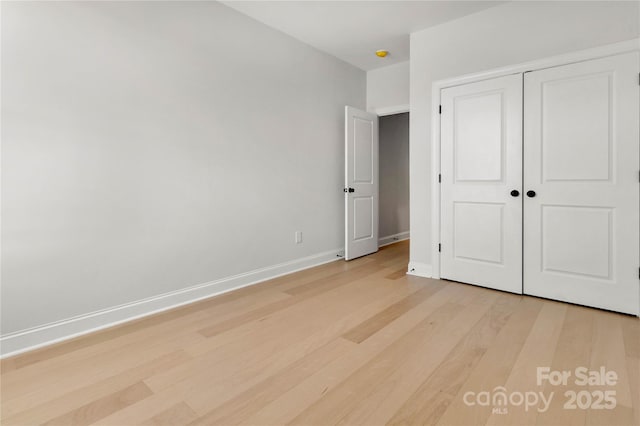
(632, 45)
(393, 110)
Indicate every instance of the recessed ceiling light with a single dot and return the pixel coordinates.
(381, 53)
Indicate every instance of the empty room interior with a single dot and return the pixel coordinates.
(320, 213)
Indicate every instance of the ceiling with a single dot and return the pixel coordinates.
(354, 30)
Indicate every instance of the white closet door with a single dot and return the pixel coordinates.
(582, 160)
(481, 165)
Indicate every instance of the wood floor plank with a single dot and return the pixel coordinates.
(57, 351)
(429, 401)
(538, 351)
(333, 281)
(270, 342)
(608, 351)
(304, 277)
(631, 335)
(339, 401)
(55, 383)
(35, 411)
(358, 343)
(143, 325)
(401, 272)
(495, 366)
(277, 361)
(362, 331)
(328, 322)
(290, 404)
(102, 407)
(64, 365)
(384, 400)
(633, 369)
(573, 350)
(247, 403)
(307, 291)
(140, 412)
(176, 415)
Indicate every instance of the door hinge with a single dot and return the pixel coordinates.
(440, 110)
(439, 247)
(439, 178)
(638, 78)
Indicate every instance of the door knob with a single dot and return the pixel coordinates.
(515, 193)
(348, 190)
(531, 194)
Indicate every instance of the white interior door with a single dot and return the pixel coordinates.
(582, 160)
(361, 183)
(481, 178)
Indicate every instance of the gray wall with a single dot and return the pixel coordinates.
(152, 146)
(394, 174)
(388, 87)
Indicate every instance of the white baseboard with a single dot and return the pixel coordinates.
(37, 337)
(390, 239)
(420, 269)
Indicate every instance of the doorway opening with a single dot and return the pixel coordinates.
(376, 181)
(393, 222)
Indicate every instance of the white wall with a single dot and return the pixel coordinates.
(508, 34)
(152, 146)
(388, 88)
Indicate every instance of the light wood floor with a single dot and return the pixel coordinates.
(344, 343)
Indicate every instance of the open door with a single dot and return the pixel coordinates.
(361, 183)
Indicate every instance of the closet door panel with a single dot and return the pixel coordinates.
(481, 145)
(581, 158)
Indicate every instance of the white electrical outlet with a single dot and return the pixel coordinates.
(298, 237)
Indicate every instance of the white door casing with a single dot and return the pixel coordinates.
(361, 183)
(582, 157)
(481, 164)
